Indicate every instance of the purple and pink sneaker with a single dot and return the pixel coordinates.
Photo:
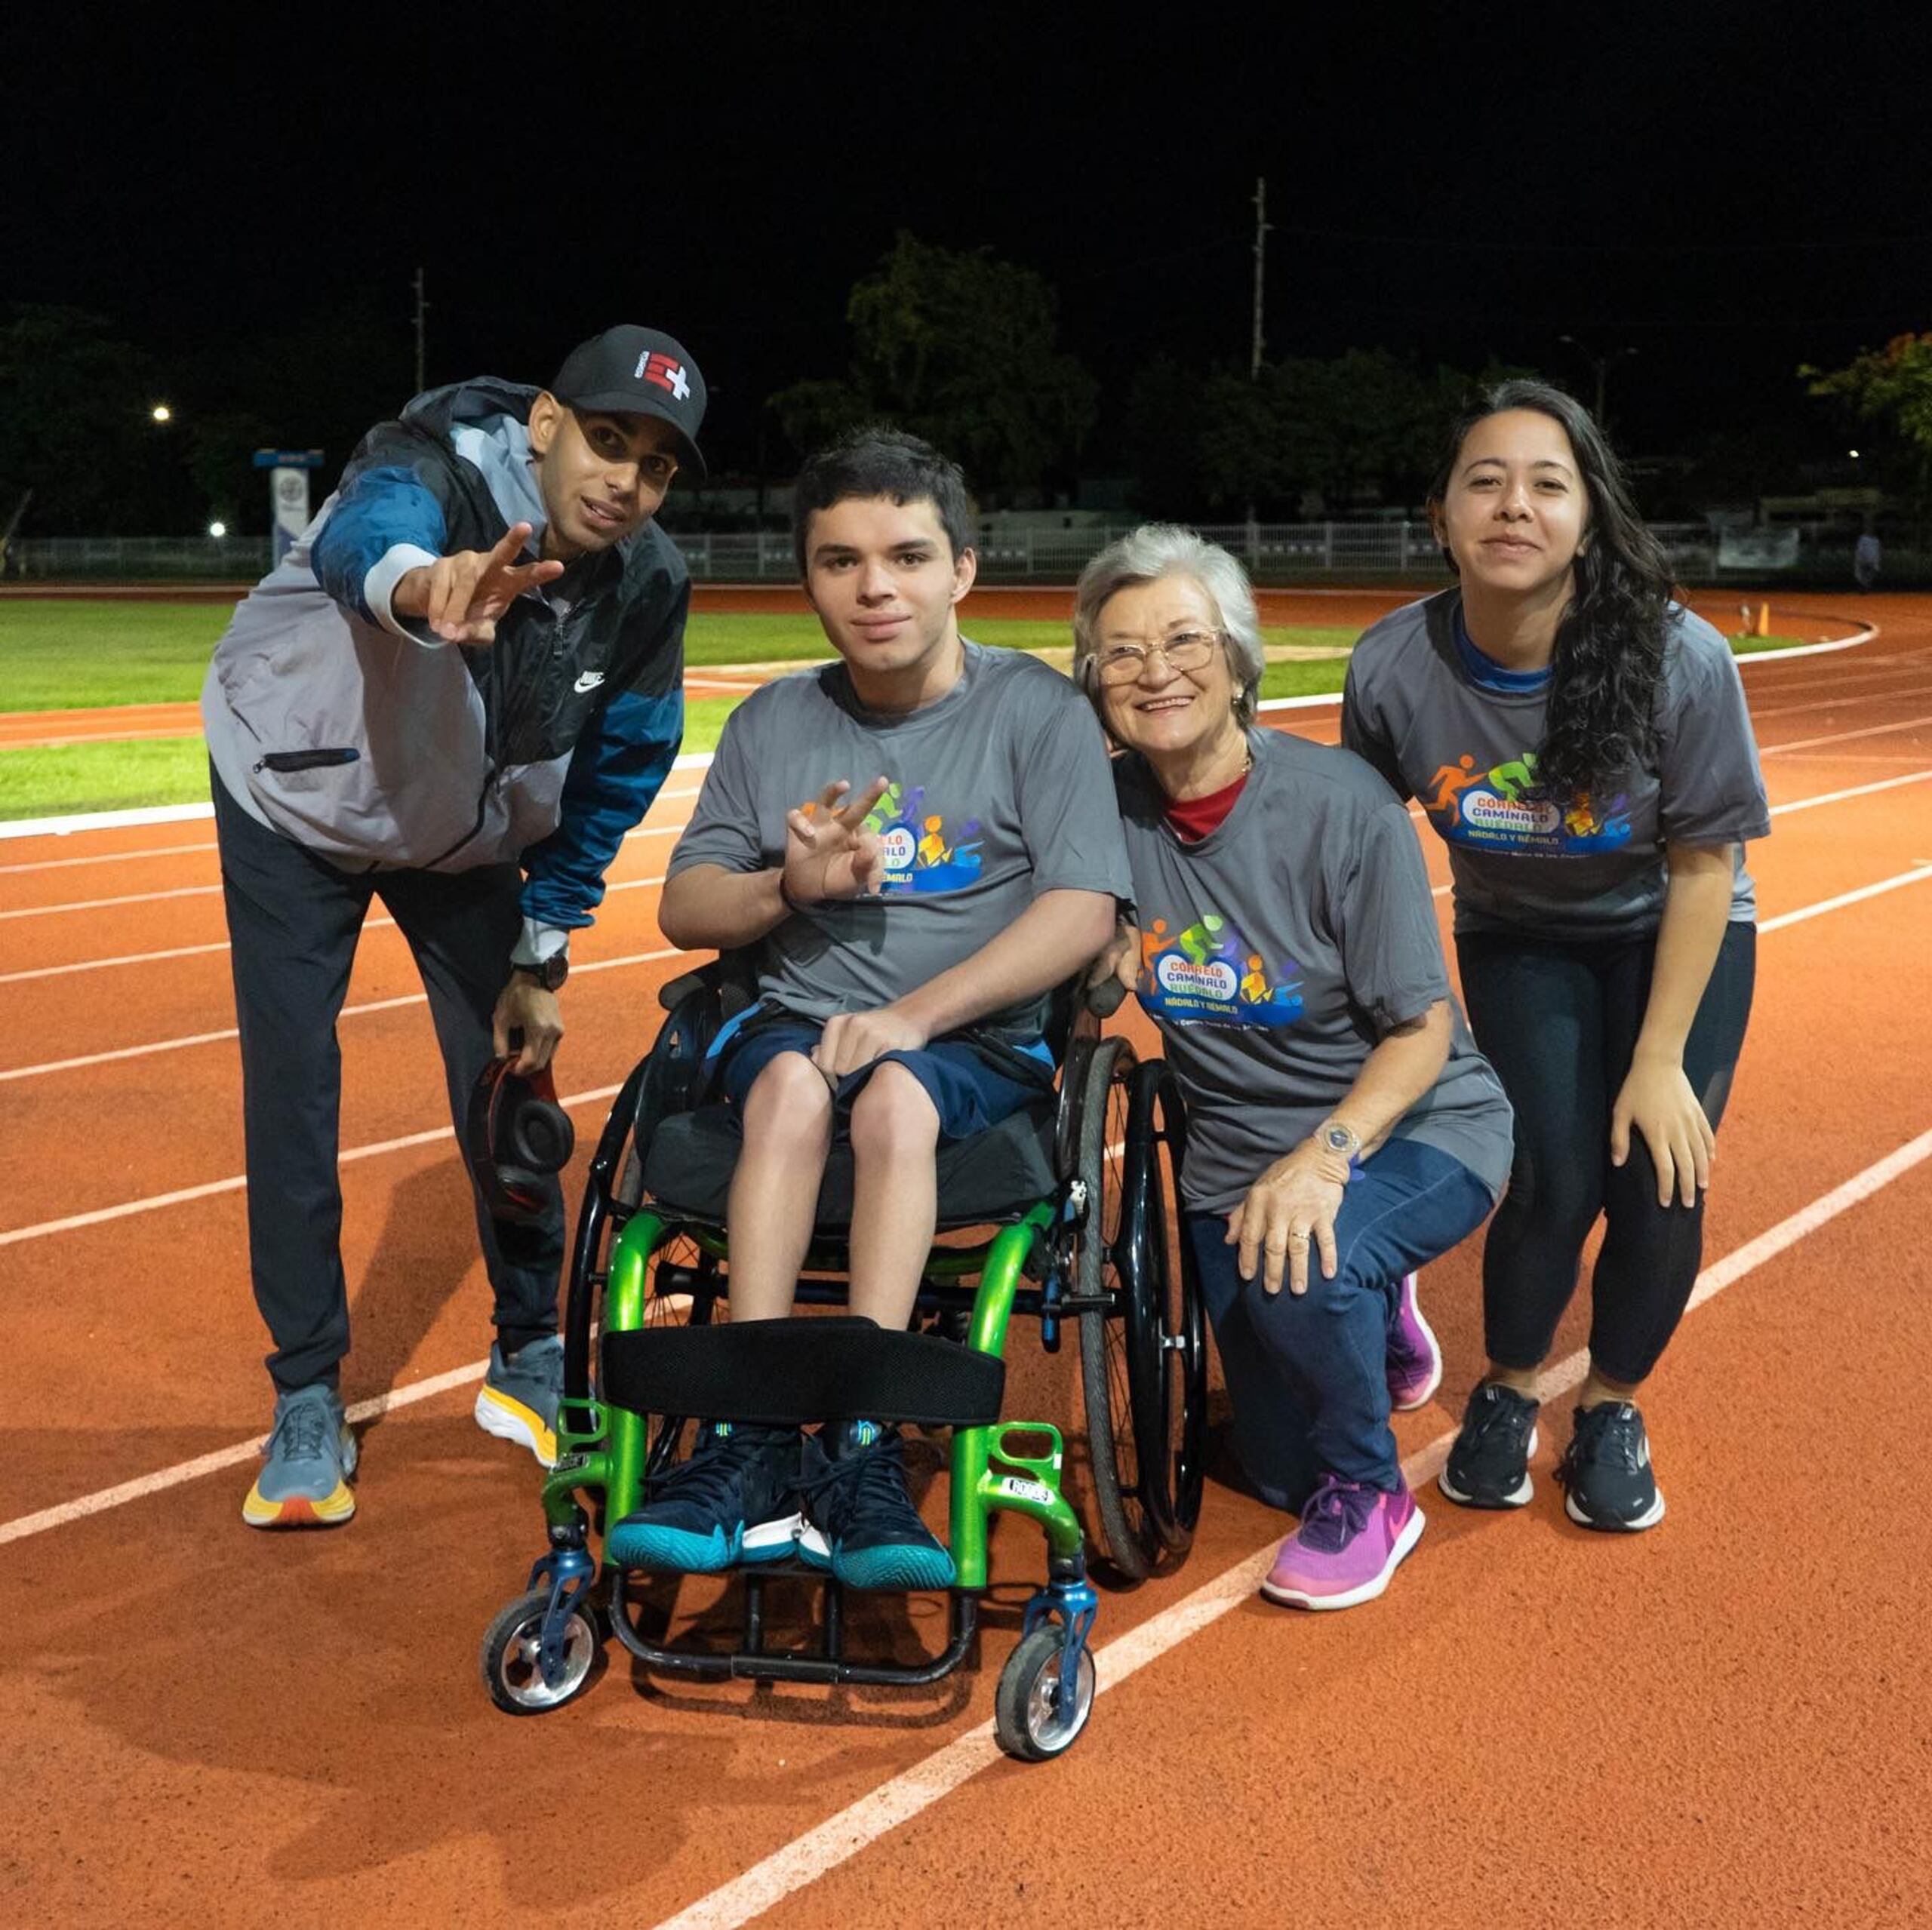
(1352, 1539)
(1415, 1361)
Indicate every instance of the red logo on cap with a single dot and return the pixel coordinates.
(666, 373)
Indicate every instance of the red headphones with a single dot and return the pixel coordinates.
(516, 1135)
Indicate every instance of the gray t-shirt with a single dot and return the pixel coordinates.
(1588, 867)
(1000, 791)
(1277, 952)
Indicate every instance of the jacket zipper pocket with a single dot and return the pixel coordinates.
(307, 760)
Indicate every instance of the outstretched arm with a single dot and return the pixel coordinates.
(460, 596)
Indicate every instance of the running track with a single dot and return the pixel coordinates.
(1727, 1721)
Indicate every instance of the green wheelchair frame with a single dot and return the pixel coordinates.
(1102, 1250)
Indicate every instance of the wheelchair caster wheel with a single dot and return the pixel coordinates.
(511, 1670)
(1031, 1716)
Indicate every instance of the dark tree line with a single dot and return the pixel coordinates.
(959, 346)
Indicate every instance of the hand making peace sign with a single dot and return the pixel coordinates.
(829, 852)
(461, 596)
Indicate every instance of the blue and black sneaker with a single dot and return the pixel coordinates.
(733, 1501)
(1606, 1471)
(859, 1519)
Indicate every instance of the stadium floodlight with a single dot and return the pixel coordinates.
(218, 529)
(162, 412)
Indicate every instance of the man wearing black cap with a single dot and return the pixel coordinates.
(456, 693)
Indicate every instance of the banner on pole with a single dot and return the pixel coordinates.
(288, 492)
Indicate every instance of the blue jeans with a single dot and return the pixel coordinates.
(1307, 1374)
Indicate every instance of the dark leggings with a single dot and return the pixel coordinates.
(1559, 1022)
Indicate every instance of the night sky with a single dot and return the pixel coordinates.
(1729, 190)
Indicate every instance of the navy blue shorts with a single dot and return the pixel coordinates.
(972, 1087)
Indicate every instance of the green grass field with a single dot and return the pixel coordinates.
(65, 654)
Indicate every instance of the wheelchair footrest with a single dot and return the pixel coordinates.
(752, 1659)
(788, 1373)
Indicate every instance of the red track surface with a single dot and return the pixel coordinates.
(1727, 1721)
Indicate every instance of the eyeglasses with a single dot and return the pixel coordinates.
(1185, 651)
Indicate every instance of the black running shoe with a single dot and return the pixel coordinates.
(859, 1519)
(1606, 1471)
(1489, 1466)
(732, 1501)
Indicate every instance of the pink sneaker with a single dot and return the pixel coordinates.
(1351, 1540)
(1414, 1361)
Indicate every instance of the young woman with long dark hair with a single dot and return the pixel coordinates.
(1579, 741)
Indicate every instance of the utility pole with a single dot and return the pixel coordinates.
(1601, 365)
(422, 315)
(1255, 349)
(1261, 254)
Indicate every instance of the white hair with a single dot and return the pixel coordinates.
(1151, 552)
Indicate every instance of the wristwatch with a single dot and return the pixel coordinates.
(549, 972)
(1343, 1141)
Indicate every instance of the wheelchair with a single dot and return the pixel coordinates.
(1067, 1210)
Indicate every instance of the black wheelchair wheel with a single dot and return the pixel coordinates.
(1166, 1329)
(509, 1657)
(1129, 1539)
(1033, 1718)
(685, 1291)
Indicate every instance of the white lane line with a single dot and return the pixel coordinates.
(1842, 736)
(104, 1498)
(108, 858)
(208, 890)
(802, 1861)
(107, 904)
(348, 1012)
(209, 846)
(86, 821)
(1838, 904)
(130, 958)
(1857, 791)
(238, 1182)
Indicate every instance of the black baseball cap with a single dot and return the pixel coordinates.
(635, 371)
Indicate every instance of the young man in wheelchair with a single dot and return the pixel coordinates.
(920, 842)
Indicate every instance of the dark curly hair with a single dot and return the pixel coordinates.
(1609, 651)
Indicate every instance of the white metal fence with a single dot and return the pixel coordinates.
(1274, 553)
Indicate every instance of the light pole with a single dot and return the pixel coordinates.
(1601, 364)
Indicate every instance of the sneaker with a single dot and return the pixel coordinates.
(311, 1456)
(518, 1400)
(1489, 1466)
(1414, 1364)
(1606, 1471)
(1352, 1538)
(732, 1501)
(859, 1519)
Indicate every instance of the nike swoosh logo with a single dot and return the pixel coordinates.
(589, 681)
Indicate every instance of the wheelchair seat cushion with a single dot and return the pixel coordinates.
(999, 1174)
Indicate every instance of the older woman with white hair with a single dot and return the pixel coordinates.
(1287, 948)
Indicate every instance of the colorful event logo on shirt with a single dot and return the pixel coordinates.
(1210, 973)
(1501, 809)
(918, 855)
